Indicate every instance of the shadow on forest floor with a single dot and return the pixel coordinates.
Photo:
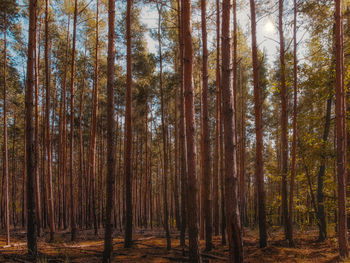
(150, 246)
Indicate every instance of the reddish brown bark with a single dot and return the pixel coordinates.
(71, 146)
(36, 131)
(128, 133)
(182, 131)
(231, 178)
(164, 132)
(47, 125)
(5, 156)
(206, 164)
(92, 149)
(192, 189)
(31, 204)
(340, 129)
(216, 170)
(110, 182)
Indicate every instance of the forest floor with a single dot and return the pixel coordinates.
(150, 246)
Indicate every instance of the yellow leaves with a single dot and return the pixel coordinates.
(347, 77)
(275, 87)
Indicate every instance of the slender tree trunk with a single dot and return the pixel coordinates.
(71, 161)
(243, 197)
(259, 165)
(92, 150)
(128, 133)
(81, 149)
(110, 181)
(62, 137)
(31, 204)
(216, 170)
(47, 120)
(192, 198)
(145, 182)
(36, 131)
(176, 162)
(340, 130)
(231, 178)
(284, 127)
(24, 181)
(182, 131)
(294, 143)
(164, 133)
(5, 161)
(206, 164)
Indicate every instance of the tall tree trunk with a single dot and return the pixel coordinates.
(182, 131)
(242, 153)
(63, 141)
(31, 203)
(192, 190)
(36, 131)
(81, 149)
(206, 164)
(164, 132)
(47, 120)
(259, 165)
(128, 133)
(110, 181)
(92, 150)
(145, 191)
(294, 144)
(284, 126)
(216, 170)
(71, 161)
(340, 129)
(231, 178)
(176, 162)
(5, 161)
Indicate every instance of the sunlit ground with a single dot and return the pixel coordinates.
(150, 246)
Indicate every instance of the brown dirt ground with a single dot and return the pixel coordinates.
(150, 246)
